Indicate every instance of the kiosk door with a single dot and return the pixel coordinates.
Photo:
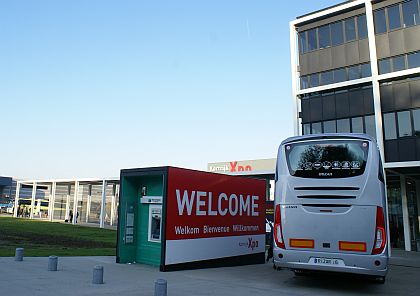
(149, 230)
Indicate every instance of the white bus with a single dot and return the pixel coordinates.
(330, 206)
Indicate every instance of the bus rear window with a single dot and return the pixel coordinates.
(327, 159)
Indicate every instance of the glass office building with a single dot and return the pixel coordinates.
(356, 68)
(75, 201)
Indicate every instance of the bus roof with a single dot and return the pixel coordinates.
(329, 136)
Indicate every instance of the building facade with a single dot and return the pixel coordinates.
(76, 201)
(356, 68)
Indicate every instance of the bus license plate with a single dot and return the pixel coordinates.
(327, 261)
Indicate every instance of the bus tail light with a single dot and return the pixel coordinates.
(278, 233)
(380, 234)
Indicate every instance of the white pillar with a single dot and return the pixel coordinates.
(75, 201)
(52, 201)
(117, 199)
(103, 205)
(67, 217)
(89, 201)
(114, 192)
(406, 220)
(31, 215)
(375, 74)
(295, 85)
(15, 210)
(418, 203)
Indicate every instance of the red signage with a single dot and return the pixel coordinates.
(206, 205)
(234, 167)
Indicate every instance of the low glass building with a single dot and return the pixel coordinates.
(81, 201)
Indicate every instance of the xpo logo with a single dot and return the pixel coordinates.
(234, 167)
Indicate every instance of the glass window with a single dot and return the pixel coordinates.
(337, 37)
(327, 159)
(312, 40)
(394, 21)
(307, 129)
(410, 13)
(413, 60)
(329, 126)
(324, 36)
(353, 72)
(340, 75)
(365, 70)
(302, 42)
(316, 128)
(380, 22)
(390, 128)
(343, 125)
(350, 29)
(304, 82)
(370, 126)
(398, 63)
(416, 120)
(357, 125)
(314, 80)
(361, 26)
(384, 66)
(404, 124)
(327, 78)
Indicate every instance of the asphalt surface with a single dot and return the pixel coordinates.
(74, 277)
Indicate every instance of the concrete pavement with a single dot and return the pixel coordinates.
(74, 277)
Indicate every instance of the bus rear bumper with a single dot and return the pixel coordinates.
(375, 265)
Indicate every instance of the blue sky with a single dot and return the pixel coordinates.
(88, 87)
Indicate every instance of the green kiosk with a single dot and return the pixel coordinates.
(179, 219)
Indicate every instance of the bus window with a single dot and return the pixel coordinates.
(332, 159)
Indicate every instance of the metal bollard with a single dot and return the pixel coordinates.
(52, 263)
(98, 275)
(161, 287)
(19, 254)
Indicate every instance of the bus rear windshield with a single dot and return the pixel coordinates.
(327, 159)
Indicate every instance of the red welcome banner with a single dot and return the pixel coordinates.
(206, 205)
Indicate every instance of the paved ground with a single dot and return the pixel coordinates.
(31, 277)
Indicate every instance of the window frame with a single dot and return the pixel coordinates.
(358, 26)
(342, 33)
(343, 70)
(357, 67)
(305, 49)
(416, 53)
(416, 133)
(316, 39)
(388, 19)
(385, 129)
(329, 36)
(410, 123)
(403, 15)
(393, 65)
(343, 120)
(363, 124)
(354, 28)
(380, 62)
(385, 18)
